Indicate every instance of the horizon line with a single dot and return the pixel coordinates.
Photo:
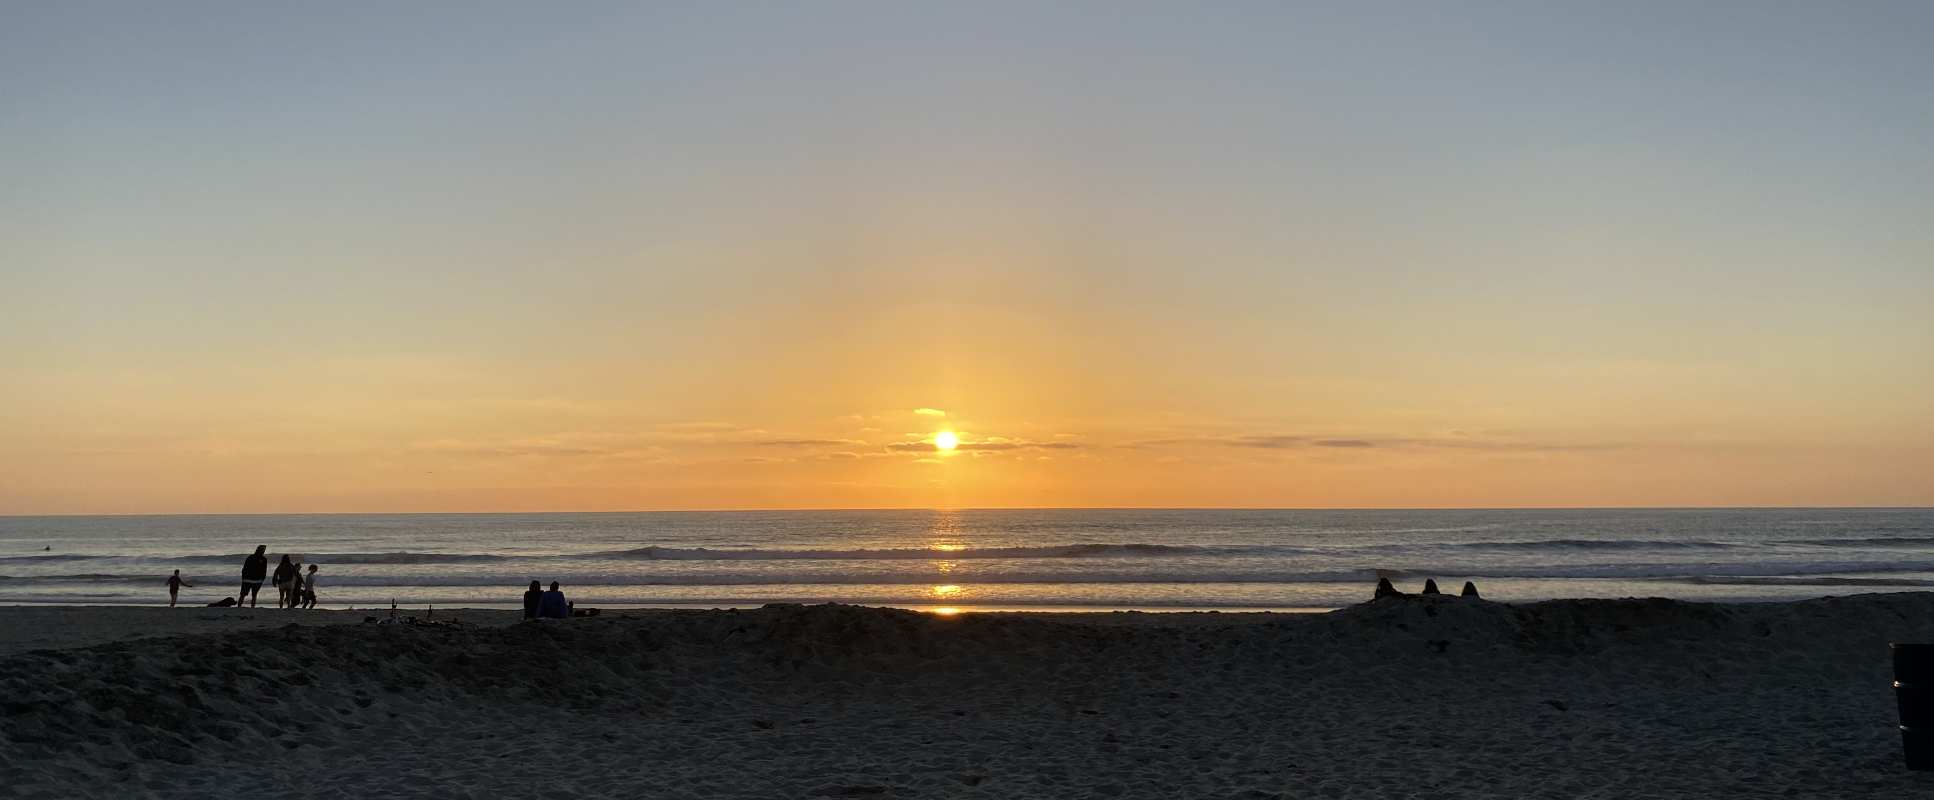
(779, 509)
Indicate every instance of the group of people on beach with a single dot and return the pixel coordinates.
(540, 604)
(293, 588)
(296, 589)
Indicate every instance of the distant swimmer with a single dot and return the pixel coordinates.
(174, 587)
(254, 569)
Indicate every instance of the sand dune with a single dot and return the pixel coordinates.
(1404, 697)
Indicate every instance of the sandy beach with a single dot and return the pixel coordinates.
(1403, 697)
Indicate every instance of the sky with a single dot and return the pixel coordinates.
(266, 257)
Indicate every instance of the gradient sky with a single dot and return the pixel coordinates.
(526, 256)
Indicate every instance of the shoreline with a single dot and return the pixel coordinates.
(1400, 697)
(961, 608)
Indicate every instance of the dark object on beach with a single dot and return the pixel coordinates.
(307, 586)
(1914, 696)
(1430, 586)
(553, 605)
(254, 569)
(583, 612)
(1384, 589)
(531, 597)
(175, 582)
(1470, 590)
(226, 602)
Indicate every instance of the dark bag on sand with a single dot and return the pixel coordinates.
(222, 603)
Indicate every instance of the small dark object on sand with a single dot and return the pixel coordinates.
(583, 612)
(1470, 590)
(1430, 586)
(222, 603)
(1384, 589)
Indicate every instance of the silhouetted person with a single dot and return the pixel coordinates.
(285, 572)
(1384, 589)
(295, 584)
(1430, 586)
(553, 605)
(531, 598)
(1470, 590)
(308, 599)
(254, 569)
(174, 587)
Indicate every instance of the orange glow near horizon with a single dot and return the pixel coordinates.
(388, 443)
(963, 255)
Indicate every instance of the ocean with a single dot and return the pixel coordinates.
(1068, 559)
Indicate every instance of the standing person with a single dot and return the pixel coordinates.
(254, 569)
(309, 588)
(174, 587)
(531, 598)
(295, 584)
(283, 572)
(552, 605)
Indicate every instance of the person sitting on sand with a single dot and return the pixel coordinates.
(283, 572)
(254, 569)
(309, 588)
(531, 598)
(174, 587)
(553, 605)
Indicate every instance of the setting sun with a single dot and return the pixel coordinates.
(946, 440)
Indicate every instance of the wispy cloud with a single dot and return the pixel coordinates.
(511, 449)
(699, 427)
(930, 412)
(1267, 442)
(994, 444)
(1456, 441)
(808, 442)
